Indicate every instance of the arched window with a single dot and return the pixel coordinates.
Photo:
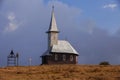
(64, 57)
(71, 57)
(56, 57)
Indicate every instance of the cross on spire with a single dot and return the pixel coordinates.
(53, 7)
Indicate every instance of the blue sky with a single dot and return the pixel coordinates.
(97, 11)
(92, 27)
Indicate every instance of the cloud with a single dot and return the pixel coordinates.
(11, 16)
(111, 6)
(88, 26)
(12, 24)
(94, 44)
(99, 45)
(36, 15)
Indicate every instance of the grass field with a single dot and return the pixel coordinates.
(61, 72)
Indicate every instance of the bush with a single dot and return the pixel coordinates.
(104, 63)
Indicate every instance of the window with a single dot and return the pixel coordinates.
(56, 57)
(71, 57)
(64, 57)
(76, 58)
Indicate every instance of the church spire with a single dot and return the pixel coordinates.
(52, 31)
(53, 25)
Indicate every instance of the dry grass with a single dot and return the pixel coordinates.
(61, 72)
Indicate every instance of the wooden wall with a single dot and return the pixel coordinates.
(51, 59)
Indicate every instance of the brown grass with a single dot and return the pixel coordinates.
(61, 72)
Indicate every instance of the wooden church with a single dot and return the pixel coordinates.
(59, 51)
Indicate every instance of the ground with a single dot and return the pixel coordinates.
(61, 72)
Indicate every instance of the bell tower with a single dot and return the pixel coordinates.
(52, 31)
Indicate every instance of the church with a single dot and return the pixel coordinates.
(59, 51)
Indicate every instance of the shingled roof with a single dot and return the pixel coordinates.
(63, 47)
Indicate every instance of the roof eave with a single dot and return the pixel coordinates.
(65, 53)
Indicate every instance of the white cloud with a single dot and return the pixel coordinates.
(11, 27)
(88, 26)
(13, 24)
(11, 16)
(111, 6)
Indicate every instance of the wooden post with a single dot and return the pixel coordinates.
(30, 61)
(17, 57)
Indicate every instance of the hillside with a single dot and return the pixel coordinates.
(61, 72)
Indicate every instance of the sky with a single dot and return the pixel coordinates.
(92, 27)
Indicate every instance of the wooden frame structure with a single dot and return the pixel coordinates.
(12, 59)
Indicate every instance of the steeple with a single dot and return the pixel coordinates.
(52, 31)
(53, 25)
